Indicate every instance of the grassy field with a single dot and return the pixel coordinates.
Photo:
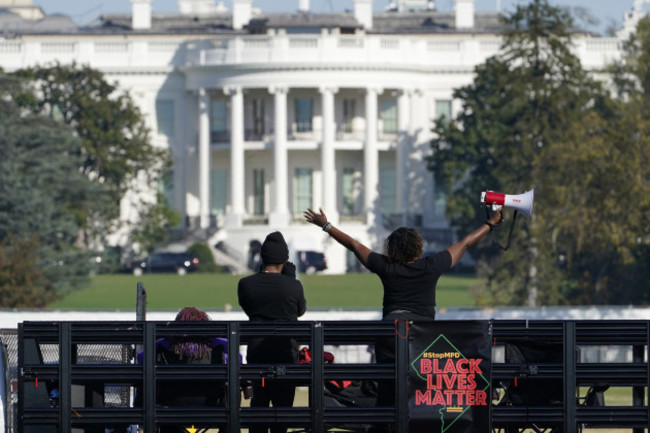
(215, 291)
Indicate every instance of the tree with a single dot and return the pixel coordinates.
(157, 217)
(22, 282)
(42, 194)
(115, 144)
(627, 176)
(523, 99)
(590, 176)
(598, 177)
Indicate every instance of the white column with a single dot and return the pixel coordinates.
(235, 217)
(371, 161)
(401, 154)
(280, 215)
(204, 158)
(328, 168)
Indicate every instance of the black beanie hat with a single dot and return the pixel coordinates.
(274, 249)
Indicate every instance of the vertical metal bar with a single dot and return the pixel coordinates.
(65, 383)
(569, 363)
(21, 379)
(318, 379)
(401, 376)
(141, 303)
(492, 340)
(647, 345)
(638, 391)
(140, 308)
(233, 378)
(149, 380)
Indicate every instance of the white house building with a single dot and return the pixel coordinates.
(267, 114)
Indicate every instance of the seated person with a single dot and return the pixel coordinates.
(189, 349)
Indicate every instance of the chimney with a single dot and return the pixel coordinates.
(464, 14)
(140, 14)
(196, 7)
(303, 6)
(242, 11)
(363, 13)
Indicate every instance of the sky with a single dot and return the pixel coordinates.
(609, 13)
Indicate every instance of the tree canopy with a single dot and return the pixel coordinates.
(533, 117)
(116, 149)
(72, 145)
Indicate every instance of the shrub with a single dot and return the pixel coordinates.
(206, 259)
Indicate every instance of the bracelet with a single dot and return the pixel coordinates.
(490, 225)
(327, 226)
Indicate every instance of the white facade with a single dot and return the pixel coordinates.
(263, 125)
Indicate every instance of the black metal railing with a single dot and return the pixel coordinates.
(60, 390)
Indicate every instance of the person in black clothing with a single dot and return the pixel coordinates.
(273, 294)
(408, 278)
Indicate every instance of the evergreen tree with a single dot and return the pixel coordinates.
(42, 193)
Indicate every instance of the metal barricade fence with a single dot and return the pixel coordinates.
(92, 367)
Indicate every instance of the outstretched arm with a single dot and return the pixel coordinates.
(319, 219)
(458, 249)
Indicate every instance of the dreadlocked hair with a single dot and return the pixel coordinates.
(404, 245)
(190, 346)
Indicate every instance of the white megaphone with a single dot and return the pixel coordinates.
(521, 202)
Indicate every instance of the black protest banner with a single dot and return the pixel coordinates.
(449, 377)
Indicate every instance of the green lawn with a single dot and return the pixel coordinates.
(214, 291)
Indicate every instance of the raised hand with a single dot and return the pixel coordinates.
(318, 219)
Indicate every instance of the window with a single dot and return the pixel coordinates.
(258, 192)
(303, 109)
(352, 264)
(302, 190)
(258, 117)
(165, 117)
(440, 203)
(166, 186)
(388, 115)
(387, 191)
(443, 108)
(219, 120)
(218, 191)
(348, 114)
(348, 191)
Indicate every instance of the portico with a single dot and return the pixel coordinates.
(305, 132)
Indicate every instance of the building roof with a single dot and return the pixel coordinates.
(302, 20)
(432, 22)
(418, 22)
(167, 23)
(12, 23)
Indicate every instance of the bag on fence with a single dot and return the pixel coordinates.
(527, 388)
(355, 393)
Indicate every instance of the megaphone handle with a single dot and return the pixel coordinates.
(512, 226)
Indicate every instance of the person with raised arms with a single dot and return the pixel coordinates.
(409, 279)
